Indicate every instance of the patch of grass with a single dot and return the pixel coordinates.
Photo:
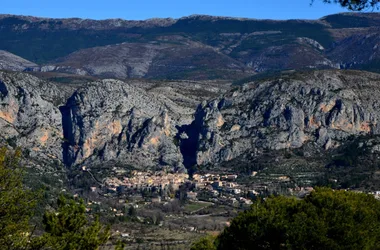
(195, 206)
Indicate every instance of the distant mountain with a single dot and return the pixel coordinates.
(194, 47)
(172, 57)
(9, 61)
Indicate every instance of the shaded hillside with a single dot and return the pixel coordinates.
(194, 47)
(173, 57)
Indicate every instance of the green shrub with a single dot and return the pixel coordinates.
(325, 219)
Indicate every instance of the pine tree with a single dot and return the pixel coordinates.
(68, 227)
(16, 203)
(325, 219)
(356, 5)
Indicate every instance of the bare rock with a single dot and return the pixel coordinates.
(28, 116)
(323, 107)
(111, 120)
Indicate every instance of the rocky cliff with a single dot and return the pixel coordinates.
(29, 114)
(100, 122)
(113, 122)
(322, 107)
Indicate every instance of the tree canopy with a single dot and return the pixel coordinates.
(205, 243)
(325, 219)
(68, 228)
(16, 203)
(355, 5)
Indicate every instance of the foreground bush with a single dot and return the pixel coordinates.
(69, 228)
(66, 228)
(206, 243)
(326, 219)
(16, 203)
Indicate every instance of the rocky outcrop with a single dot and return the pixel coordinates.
(323, 107)
(29, 115)
(101, 122)
(110, 120)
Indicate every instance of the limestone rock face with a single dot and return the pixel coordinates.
(113, 122)
(110, 120)
(323, 107)
(29, 117)
(100, 122)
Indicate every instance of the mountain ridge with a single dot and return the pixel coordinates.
(40, 18)
(195, 47)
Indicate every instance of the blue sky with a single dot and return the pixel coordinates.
(143, 9)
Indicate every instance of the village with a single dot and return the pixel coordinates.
(182, 203)
(146, 187)
(160, 186)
